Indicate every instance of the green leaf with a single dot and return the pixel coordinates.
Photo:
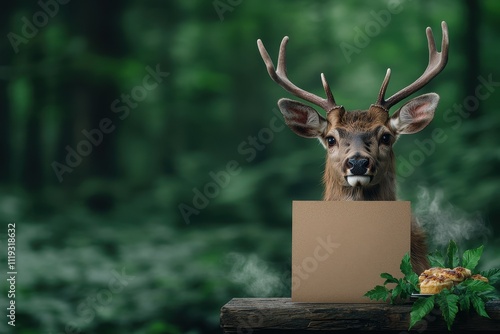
(477, 286)
(436, 259)
(378, 293)
(408, 288)
(413, 280)
(478, 304)
(490, 295)
(395, 293)
(464, 302)
(447, 302)
(420, 309)
(452, 259)
(493, 275)
(482, 289)
(471, 257)
(405, 266)
(388, 278)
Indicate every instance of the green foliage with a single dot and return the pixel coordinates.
(379, 292)
(448, 303)
(471, 257)
(404, 286)
(493, 275)
(182, 277)
(436, 259)
(452, 259)
(389, 278)
(478, 304)
(420, 309)
(405, 265)
(462, 296)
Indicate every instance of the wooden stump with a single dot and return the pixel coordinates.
(281, 315)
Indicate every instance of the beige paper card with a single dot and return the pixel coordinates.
(340, 248)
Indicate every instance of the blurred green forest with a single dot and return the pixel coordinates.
(150, 176)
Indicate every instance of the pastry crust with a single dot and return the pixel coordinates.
(456, 275)
(464, 271)
(435, 284)
(435, 280)
(429, 272)
(480, 278)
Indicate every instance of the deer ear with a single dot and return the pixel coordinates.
(415, 115)
(302, 119)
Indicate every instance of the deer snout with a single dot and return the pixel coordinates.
(357, 166)
(357, 171)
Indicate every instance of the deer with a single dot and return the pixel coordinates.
(360, 163)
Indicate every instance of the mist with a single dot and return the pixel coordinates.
(256, 277)
(444, 222)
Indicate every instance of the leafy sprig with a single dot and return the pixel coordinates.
(462, 297)
(404, 287)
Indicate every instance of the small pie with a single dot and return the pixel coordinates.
(429, 272)
(456, 275)
(434, 284)
(434, 280)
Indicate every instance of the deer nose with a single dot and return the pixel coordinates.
(358, 166)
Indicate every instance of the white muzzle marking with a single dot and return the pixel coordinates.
(358, 180)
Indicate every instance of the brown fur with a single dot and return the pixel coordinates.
(384, 188)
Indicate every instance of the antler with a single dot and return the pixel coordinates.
(437, 61)
(280, 77)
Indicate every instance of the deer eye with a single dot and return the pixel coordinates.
(330, 141)
(385, 139)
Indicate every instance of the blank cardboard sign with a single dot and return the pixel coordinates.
(340, 248)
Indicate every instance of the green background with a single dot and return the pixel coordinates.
(117, 210)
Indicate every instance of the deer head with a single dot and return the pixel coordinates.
(360, 161)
